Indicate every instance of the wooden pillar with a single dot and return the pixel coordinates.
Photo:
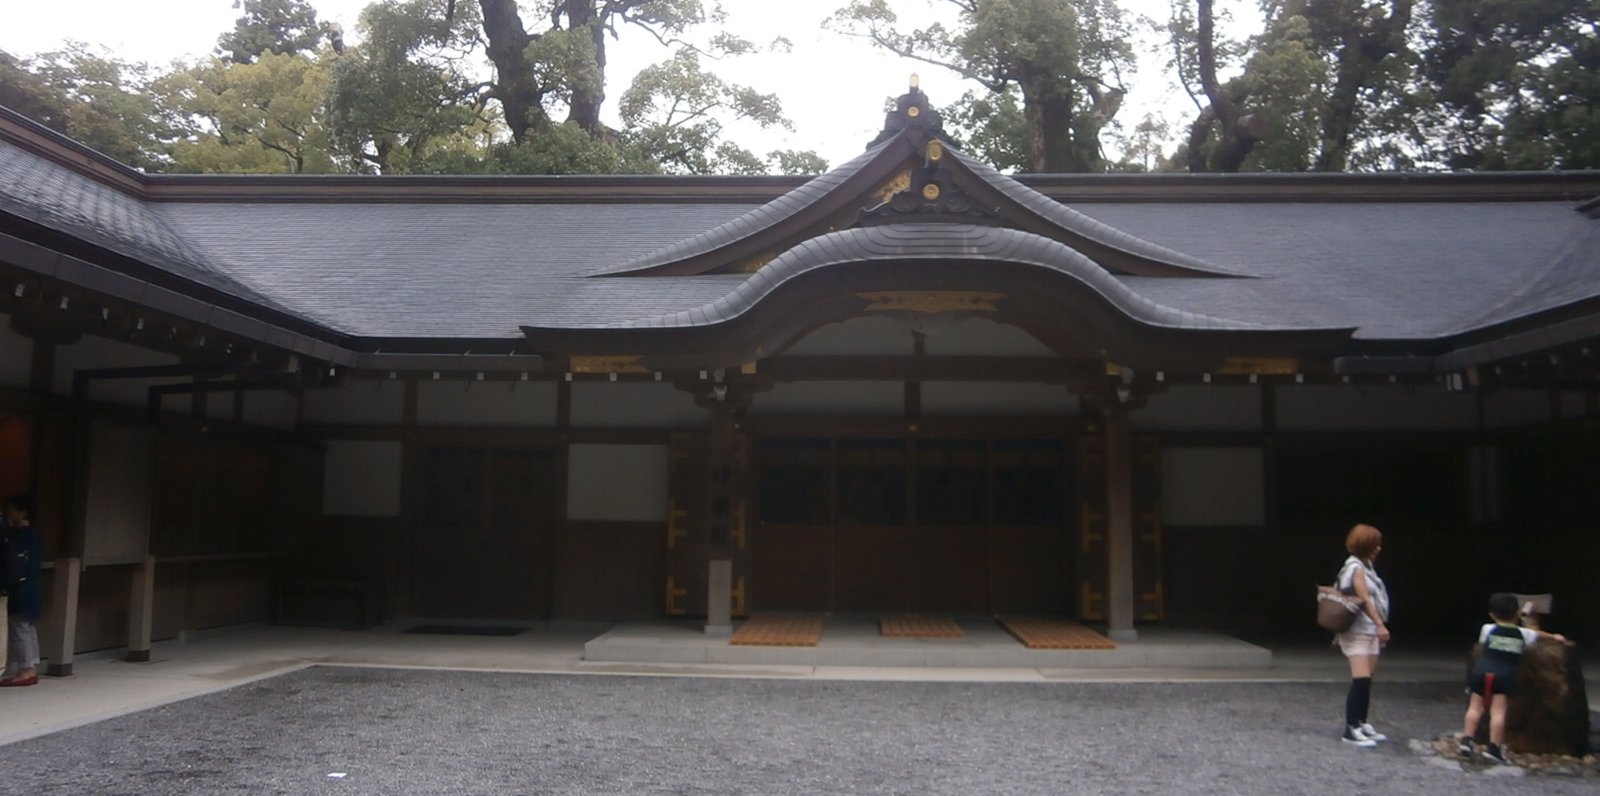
(62, 635)
(721, 520)
(141, 610)
(1119, 525)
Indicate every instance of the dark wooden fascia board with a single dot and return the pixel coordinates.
(1576, 186)
(465, 189)
(36, 139)
(1543, 186)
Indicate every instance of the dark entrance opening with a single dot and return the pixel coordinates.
(874, 523)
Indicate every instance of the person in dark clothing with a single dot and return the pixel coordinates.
(1493, 678)
(23, 572)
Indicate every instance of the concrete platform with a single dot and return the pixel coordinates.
(854, 640)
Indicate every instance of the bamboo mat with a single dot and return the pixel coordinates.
(1051, 633)
(779, 630)
(918, 626)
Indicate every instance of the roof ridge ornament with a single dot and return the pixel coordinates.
(911, 110)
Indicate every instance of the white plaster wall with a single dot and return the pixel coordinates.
(1510, 408)
(1202, 407)
(1213, 486)
(871, 335)
(361, 478)
(486, 403)
(16, 356)
(996, 398)
(1386, 407)
(271, 408)
(623, 404)
(619, 483)
(832, 398)
(356, 402)
(92, 352)
(979, 336)
(117, 513)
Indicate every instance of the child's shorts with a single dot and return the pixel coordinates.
(1503, 683)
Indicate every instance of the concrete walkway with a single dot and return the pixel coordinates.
(103, 685)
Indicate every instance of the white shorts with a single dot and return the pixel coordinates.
(1358, 644)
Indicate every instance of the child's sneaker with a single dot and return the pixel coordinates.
(1495, 754)
(1372, 732)
(1468, 748)
(1355, 737)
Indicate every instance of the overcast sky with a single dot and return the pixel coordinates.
(831, 87)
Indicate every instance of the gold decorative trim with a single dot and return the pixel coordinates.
(935, 150)
(896, 184)
(930, 191)
(931, 301)
(755, 263)
(619, 363)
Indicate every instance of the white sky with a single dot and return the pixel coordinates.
(832, 87)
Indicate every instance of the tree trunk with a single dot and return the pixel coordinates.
(1047, 106)
(587, 99)
(1360, 60)
(519, 94)
(1236, 135)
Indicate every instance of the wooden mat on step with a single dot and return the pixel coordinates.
(918, 626)
(1051, 633)
(779, 630)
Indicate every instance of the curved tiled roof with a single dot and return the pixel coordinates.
(862, 247)
(103, 216)
(764, 217)
(1072, 224)
(1076, 223)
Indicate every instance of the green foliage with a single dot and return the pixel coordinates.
(100, 100)
(1516, 83)
(260, 117)
(1285, 74)
(282, 27)
(673, 115)
(1319, 87)
(407, 86)
(992, 126)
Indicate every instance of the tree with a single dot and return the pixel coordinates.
(266, 116)
(1516, 83)
(671, 117)
(1222, 135)
(99, 100)
(566, 62)
(1063, 58)
(1315, 89)
(407, 87)
(281, 27)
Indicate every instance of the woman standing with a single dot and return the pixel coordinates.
(1366, 638)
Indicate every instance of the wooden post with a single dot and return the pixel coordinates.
(62, 637)
(720, 523)
(1119, 525)
(141, 610)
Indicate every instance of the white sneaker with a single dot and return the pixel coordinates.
(1355, 737)
(1371, 732)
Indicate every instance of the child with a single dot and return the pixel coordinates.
(1495, 672)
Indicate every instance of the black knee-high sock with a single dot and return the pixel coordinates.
(1355, 702)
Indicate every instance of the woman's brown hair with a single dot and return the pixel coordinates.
(1363, 541)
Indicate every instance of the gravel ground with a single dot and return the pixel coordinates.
(385, 731)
